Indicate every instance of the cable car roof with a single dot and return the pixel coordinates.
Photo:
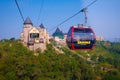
(81, 27)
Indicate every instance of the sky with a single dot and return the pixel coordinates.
(103, 16)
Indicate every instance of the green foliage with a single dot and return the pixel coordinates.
(112, 75)
(19, 63)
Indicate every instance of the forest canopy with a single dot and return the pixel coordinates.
(19, 63)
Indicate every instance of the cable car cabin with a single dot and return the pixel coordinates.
(80, 38)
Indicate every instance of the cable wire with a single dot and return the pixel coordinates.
(40, 11)
(82, 10)
(19, 10)
(91, 3)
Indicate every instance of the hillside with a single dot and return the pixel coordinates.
(18, 63)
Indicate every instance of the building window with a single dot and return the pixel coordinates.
(34, 35)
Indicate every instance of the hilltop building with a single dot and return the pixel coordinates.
(58, 34)
(99, 38)
(59, 37)
(34, 37)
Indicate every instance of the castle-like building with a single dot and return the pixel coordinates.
(59, 37)
(34, 37)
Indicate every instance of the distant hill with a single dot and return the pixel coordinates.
(19, 63)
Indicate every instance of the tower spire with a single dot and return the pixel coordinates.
(28, 21)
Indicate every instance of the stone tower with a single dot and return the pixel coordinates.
(26, 28)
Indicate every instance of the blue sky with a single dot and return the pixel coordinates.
(103, 16)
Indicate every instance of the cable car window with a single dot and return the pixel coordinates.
(34, 35)
(83, 34)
